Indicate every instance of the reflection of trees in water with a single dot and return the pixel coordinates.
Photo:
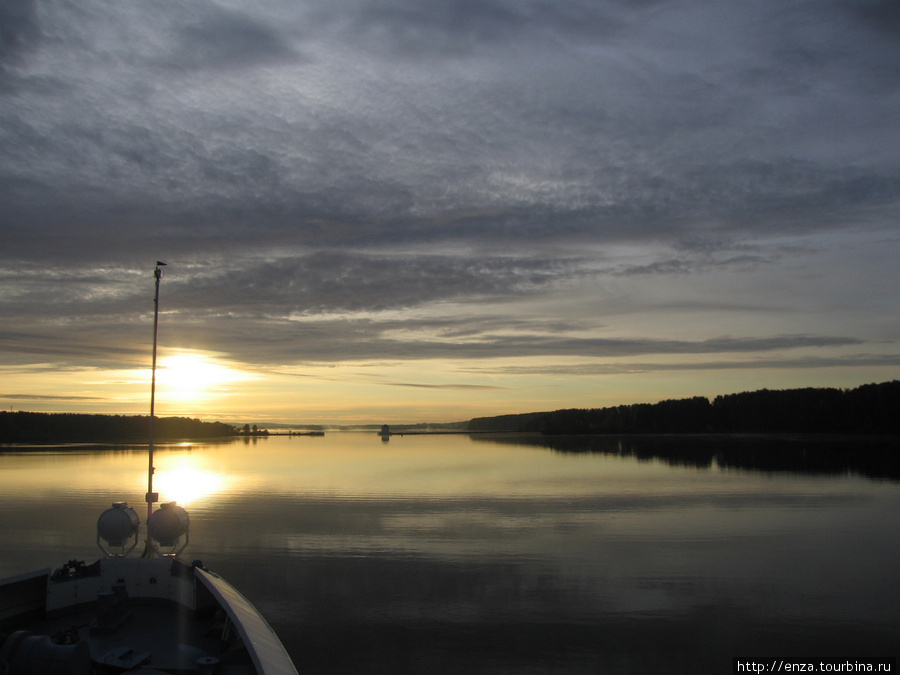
(866, 456)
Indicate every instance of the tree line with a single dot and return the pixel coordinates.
(34, 427)
(868, 409)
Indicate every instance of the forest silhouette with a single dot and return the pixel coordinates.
(868, 409)
(34, 427)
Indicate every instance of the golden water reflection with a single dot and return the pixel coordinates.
(184, 474)
(185, 479)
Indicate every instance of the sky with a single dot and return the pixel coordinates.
(386, 211)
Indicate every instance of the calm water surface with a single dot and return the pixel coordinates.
(450, 554)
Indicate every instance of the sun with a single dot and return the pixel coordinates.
(190, 375)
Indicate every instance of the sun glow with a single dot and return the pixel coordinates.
(188, 376)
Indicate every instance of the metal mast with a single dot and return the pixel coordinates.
(151, 495)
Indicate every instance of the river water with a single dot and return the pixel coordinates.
(508, 554)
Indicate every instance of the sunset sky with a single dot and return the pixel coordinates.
(431, 210)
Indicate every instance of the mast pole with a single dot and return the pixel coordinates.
(152, 496)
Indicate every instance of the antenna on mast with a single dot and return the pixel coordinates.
(152, 496)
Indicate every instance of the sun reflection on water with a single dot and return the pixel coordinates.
(186, 481)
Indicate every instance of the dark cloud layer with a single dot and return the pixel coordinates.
(406, 179)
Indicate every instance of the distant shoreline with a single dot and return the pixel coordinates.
(869, 409)
(46, 428)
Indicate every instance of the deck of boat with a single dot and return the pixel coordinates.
(137, 615)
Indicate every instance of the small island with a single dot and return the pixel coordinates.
(252, 430)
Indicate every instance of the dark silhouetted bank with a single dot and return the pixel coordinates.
(868, 409)
(34, 427)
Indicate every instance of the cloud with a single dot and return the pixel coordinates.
(362, 340)
(224, 39)
(48, 397)
(463, 28)
(631, 368)
(401, 179)
(450, 387)
(336, 282)
(18, 27)
(572, 147)
(487, 346)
